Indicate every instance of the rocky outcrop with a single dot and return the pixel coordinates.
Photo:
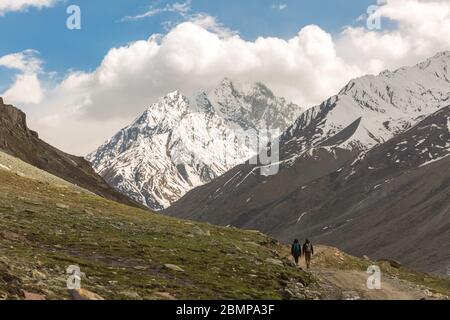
(19, 141)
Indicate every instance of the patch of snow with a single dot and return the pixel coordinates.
(434, 160)
(301, 217)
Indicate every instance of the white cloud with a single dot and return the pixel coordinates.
(191, 57)
(280, 7)
(25, 61)
(422, 30)
(85, 108)
(211, 24)
(181, 8)
(26, 88)
(21, 5)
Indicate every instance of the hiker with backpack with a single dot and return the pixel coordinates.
(308, 251)
(296, 251)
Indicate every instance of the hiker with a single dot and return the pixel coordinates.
(308, 251)
(296, 251)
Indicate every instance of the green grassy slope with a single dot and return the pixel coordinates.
(123, 251)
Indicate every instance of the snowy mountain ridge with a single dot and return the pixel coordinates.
(182, 142)
(376, 107)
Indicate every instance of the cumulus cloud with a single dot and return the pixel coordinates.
(26, 88)
(21, 5)
(25, 61)
(191, 57)
(84, 109)
(421, 30)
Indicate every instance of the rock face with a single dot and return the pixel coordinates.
(19, 141)
(359, 171)
(183, 142)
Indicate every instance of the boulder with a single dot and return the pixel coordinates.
(33, 296)
(392, 263)
(173, 267)
(36, 274)
(62, 206)
(275, 262)
(198, 231)
(165, 296)
(83, 294)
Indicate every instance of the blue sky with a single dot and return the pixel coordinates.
(44, 29)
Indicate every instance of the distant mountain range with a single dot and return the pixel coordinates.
(181, 142)
(367, 171)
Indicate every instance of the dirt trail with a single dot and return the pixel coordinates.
(352, 284)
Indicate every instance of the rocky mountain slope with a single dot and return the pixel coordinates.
(47, 225)
(183, 142)
(372, 109)
(18, 140)
(328, 189)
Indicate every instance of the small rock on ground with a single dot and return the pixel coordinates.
(165, 295)
(83, 294)
(275, 262)
(173, 267)
(32, 296)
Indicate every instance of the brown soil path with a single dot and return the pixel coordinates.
(352, 284)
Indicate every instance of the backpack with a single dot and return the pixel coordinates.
(296, 249)
(308, 247)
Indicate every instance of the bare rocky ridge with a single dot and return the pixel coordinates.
(365, 171)
(18, 140)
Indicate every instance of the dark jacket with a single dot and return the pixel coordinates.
(298, 254)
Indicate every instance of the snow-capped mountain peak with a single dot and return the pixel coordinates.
(182, 142)
(383, 105)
